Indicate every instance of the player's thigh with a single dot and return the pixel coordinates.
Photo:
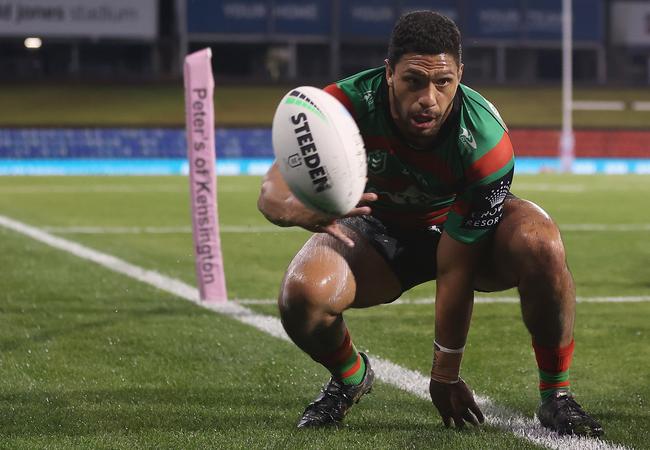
(522, 224)
(327, 273)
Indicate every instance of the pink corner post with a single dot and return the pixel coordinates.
(201, 155)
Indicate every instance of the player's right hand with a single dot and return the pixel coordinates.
(323, 223)
(455, 402)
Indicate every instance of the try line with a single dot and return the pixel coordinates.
(605, 227)
(387, 371)
(478, 299)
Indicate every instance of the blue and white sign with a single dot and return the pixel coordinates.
(493, 19)
(97, 19)
(447, 8)
(532, 20)
(255, 17)
(228, 16)
(302, 17)
(367, 18)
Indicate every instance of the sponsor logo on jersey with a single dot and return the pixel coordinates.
(486, 219)
(377, 161)
(498, 194)
(488, 208)
(410, 196)
(467, 138)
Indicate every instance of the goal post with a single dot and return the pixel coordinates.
(567, 138)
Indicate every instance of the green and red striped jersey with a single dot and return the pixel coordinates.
(461, 181)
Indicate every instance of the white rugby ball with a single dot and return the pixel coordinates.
(319, 150)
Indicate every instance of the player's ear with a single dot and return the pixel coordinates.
(389, 72)
(460, 71)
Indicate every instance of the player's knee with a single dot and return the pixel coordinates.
(542, 250)
(303, 295)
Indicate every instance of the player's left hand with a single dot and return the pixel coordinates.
(455, 402)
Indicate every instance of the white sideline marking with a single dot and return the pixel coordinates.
(606, 227)
(106, 188)
(478, 299)
(166, 230)
(598, 105)
(640, 106)
(548, 187)
(613, 227)
(388, 372)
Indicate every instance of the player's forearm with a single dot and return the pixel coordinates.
(457, 263)
(275, 205)
(454, 303)
(278, 204)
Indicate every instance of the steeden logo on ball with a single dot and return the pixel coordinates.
(319, 150)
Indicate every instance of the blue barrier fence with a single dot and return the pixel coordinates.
(161, 151)
(116, 143)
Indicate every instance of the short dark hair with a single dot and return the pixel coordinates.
(424, 32)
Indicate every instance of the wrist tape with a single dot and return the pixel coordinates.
(446, 364)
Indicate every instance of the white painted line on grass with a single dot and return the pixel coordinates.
(478, 299)
(640, 106)
(166, 230)
(605, 227)
(388, 372)
(98, 188)
(107, 189)
(598, 105)
(524, 427)
(549, 187)
(599, 227)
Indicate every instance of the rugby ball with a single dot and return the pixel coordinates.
(319, 150)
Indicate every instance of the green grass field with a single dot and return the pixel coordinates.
(93, 359)
(28, 105)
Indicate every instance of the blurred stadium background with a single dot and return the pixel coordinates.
(101, 80)
(94, 359)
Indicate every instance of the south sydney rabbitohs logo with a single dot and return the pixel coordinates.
(492, 215)
(377, 161)
(369, 97)
(467, 138)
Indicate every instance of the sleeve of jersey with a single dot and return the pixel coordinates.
(334, 90)
(479, 208)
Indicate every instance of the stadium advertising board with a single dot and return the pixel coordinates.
(509, 20)
(630, 23)
(447, 7)
(301, 17)
(532, 21)
(122, 19)
(367, 18)
(254, 17)
(374, 19)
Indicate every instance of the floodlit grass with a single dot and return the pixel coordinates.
(93, 359)
(70, 105)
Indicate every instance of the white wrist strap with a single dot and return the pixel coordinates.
(448, 350)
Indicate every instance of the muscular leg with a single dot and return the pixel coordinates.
(324, 279)
(527, 252)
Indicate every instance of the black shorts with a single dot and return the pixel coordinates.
(410, 254)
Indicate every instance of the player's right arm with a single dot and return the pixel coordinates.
(281, 207)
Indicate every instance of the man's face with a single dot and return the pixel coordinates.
(421, 91)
